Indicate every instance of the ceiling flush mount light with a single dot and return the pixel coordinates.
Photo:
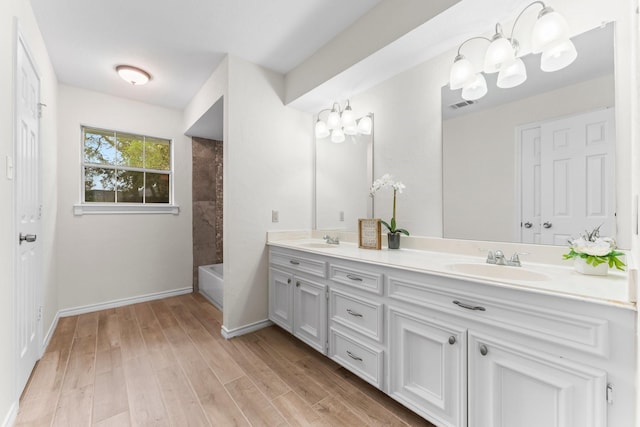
(133, 75)
(549, 36)
(341, 122)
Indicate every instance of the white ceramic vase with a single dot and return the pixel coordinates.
(581, 266)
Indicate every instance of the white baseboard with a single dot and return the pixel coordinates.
(252, 327)
(47, 337)
(120, 302)
(211, 300)
(11, 416)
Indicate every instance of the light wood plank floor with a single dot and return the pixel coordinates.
(165, 363)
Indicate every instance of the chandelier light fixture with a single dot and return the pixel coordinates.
(133, 75)
(549, 37)
(341, 122)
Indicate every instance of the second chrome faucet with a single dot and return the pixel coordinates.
(498, 258)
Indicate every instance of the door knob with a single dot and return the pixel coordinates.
(29, 238)
(484, 350)
(547, 224)
(452, 340)
(528, 225)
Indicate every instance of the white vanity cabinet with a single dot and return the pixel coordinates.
(356, 320)
(428, 366)
(467, 352)
(516, 386)
(298, 297)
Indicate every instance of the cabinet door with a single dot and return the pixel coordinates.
(516, 386)
(310, 313)
(281, 299)
(427, 363)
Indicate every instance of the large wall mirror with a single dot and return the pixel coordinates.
(343, 176)
(534, 163)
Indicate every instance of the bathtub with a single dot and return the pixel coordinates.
(211, 283)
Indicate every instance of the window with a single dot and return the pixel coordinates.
(122, 168)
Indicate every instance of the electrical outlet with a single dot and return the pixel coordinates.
(275, 216)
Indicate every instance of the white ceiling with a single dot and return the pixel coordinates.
(181, 42)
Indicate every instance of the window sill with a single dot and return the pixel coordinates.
(118, 209)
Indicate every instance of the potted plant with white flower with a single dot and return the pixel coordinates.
(386, 181)
(594, 254)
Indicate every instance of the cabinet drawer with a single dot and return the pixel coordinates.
(561, 328)
(362, 360)
(300, 264)
(359, 314)
(365, 280)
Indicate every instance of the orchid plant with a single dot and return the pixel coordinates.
(595, 250)
(386, 181)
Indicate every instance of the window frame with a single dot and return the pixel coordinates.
(85, 208)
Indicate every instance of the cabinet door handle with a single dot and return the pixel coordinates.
(353, 313)
(352, 277)
(483, 350)
(294, 262)
(288, 281)
(528, 224)
(452, 340)
(297, 284)
(353, 356)
(469, 307)
(547, 225)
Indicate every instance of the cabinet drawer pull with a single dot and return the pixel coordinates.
(483, 350)
(294, 262)
(297, 284)
(353, 356)
(452, 340)
(288, 281)
(353, 313)
(352, 277)
(468, 306)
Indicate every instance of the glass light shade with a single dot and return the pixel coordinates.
(348, 118)
(476, 89)
(498, 53)
(337, 136)
(550, 29)
(133, 75)
(558, 57)
(364, 125)
(333, 120)
(322, 131)
(462, 73)
(351, 129)
(512, 75)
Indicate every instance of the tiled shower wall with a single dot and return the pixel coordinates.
(207, 204)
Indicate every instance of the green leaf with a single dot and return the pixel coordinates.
(403, 231)
(393, 224)
(385, 224)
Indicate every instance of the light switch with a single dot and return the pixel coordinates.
(9, 164)
(275, 216)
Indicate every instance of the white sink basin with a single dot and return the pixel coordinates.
(498, 272)
(318, 245)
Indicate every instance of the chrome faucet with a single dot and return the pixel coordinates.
(331, 240)
(498, 258)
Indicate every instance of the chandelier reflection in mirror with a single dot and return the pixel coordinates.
(550, 37)
(340, 123)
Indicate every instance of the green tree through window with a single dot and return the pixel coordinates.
(121, 167)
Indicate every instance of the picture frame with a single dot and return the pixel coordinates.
(369, 233)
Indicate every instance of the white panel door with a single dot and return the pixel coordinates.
(515, 386)
(530, 148)
(427, 367)
(567, 177)
(578, 164)
(310, 313)
(281, 299)
(27, 185)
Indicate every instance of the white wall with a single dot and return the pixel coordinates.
(21, 10)
(267, 166)
(479, 156)
(102, 258)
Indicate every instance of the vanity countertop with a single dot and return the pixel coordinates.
(560, 280)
